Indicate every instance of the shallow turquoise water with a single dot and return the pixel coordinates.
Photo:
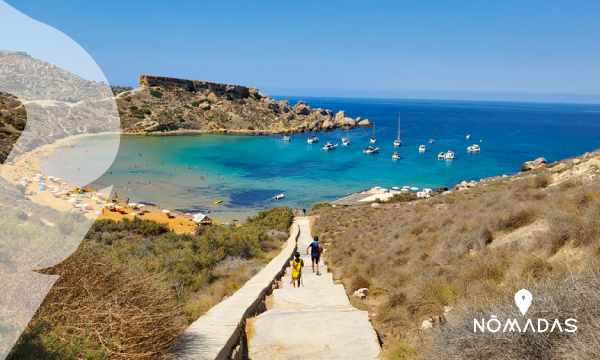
(257, 168)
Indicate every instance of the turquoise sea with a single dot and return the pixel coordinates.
(246, 172)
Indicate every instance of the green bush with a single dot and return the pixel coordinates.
(319, 205)
(156, 93)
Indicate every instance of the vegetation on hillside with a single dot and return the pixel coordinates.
(13, 119)
(468, 252)
(133, 286)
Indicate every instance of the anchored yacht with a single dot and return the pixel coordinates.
(373, 140)
(329, 146)
(449, 155)
(441, 155)
(371, 150)
(286, 138)
(422, 148)
(312, 139)
(398, 142)
(396, 156)
(473, 148)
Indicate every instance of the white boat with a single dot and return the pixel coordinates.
(398, 142)
(286, 138)
(278, 197)
(373, 140)
(422, 148)
(449, 155)
(431, 141)
(346, 140)
(468, 136)
(329, 146)
(473, 148)
(396, 156)
(371, 150)
(441, 155)
(312, 139)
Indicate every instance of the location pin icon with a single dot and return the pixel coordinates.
(523, 299)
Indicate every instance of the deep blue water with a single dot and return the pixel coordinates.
(257, 168)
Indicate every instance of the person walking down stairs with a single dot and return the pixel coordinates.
(315, 253)
(296, 265)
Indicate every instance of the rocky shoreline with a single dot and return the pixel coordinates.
(170, 105)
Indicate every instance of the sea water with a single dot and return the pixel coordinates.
(188, 173)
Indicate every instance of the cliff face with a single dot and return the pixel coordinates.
(169, 104)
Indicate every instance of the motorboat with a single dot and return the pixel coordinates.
(373, 140)
(329, 146)
(449, 155)
(286, 138)
(441, 155)
(422, 148)
(431, 141)
(473, 148)
(468, 136)
(312, 139)
(371, 150)
(396, 156)
(278, 197)
(398, 142)
(345, 141)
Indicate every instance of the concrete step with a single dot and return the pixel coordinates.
(313, 334)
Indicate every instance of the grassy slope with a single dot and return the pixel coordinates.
(132, 286)
(471, 250)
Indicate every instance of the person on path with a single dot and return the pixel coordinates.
(297, 265)
(315, 253)
(303, 212)
(295, 212)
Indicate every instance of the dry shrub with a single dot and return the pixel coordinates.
(542, 181)
(577, 296)
(101, 310)
(515, 219)
(358, 282)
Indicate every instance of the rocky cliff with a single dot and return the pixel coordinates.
(167, 104)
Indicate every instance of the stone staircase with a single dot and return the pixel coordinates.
(315, 321)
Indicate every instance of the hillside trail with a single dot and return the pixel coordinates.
(315, 321)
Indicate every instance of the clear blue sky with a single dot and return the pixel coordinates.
(496, 50)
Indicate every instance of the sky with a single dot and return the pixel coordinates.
(480, 50)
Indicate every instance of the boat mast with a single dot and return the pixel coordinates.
(398, 125)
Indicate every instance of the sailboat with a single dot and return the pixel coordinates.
(373, 140)
(346, 140)
(398, 142)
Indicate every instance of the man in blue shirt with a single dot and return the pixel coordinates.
(315, 253)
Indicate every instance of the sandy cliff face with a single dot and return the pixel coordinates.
(168, 104)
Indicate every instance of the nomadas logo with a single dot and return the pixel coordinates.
(523, 300)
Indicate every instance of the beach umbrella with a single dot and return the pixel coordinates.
(133, 214)
(132, 204)
(406, 187)
(94, 198)
(99, 194)
(23, 183)
(25, 177)
(80, 195)
(405, 190)
(73, 200)
(118, 207)
(395, 188)
(108, 205)
(56, 179)
(234, 220)
(141, 205)
(73, 195)
(414, 188)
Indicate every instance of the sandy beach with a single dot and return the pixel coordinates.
(59, 195)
